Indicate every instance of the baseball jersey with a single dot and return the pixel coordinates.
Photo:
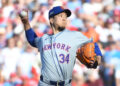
(58, 53)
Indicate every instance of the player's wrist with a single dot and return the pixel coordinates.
(24, 21)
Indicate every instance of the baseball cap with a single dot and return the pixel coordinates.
(58, 9)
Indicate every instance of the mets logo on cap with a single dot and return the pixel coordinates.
(62, 7)
(51, 13)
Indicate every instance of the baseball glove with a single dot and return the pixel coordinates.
(87, 56)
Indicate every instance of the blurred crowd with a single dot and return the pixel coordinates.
(98, 19)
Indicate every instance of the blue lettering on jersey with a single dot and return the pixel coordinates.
(64, 58)
(63, 46)
(57, 46)
(49, 46)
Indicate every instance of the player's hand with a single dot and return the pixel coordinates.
(23, 14)
(99, 60)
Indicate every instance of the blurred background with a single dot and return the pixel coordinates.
(20, 63)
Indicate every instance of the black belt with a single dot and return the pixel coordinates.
(56, 83)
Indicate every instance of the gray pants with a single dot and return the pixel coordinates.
(41, 83)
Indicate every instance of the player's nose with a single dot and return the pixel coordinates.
(64, 19)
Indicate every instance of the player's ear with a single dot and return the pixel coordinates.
(51, 20)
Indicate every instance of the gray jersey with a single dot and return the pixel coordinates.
(58, 53)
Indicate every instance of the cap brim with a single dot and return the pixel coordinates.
(68, 12)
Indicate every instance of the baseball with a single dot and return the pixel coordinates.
(23, 13)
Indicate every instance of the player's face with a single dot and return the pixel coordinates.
(60, 20)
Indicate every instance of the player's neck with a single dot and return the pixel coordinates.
(55, 31)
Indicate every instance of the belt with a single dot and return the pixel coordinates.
(56, 83)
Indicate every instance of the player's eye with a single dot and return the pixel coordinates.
(60, 15)
(63, 16)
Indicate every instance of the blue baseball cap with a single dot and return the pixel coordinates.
(58, 9)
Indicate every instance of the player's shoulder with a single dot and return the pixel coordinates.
(45, 36)
(40, 39)
(73, 33)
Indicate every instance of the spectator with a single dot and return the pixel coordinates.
(94, 7)
(73, 4)
(90, 31)
(111, 64)
(28, 58)
(11, 58)
(94, 79)
(2, 37)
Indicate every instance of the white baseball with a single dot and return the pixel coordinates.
(23, 13)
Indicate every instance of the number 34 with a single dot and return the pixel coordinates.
(64, 58)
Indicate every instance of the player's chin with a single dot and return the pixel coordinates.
(61, 28)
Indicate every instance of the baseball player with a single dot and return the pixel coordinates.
(58, 51)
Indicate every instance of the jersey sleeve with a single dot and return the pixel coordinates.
(82, 39)
(38, 42)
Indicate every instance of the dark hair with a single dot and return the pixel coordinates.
(50, 22)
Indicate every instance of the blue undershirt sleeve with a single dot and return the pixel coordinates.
(30, 35)
(97, 50)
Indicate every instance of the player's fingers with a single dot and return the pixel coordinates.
(23, 13)
(99, 60)
(78, 50)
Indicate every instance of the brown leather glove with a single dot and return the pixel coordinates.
(87, 56)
